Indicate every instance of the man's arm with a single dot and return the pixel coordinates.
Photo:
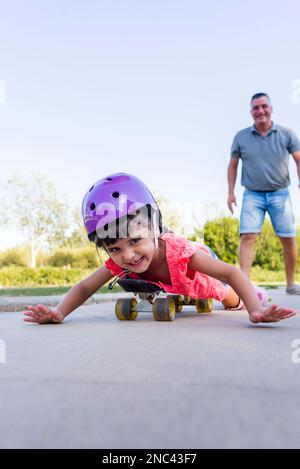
(296, 156)
(231, 177)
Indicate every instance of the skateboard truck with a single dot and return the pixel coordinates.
(162, 308)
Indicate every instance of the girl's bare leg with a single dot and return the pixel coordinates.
(232, 299)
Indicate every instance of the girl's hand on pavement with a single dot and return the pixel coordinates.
(271, 314)
(41, 314)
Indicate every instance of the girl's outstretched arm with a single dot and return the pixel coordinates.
(78, 294)
(242, 286)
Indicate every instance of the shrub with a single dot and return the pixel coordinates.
(16, 256)
(31, 277)
(268, 249)
(221, 235)
(84, 258)
(61, 258)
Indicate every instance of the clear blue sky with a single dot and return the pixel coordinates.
(156, 88)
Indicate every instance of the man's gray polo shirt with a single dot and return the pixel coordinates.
(265, 159)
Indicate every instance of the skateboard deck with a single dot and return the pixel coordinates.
(162, 308)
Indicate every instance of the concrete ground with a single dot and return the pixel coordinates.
(201, 381)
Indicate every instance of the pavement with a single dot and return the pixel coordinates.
(19, 303)
(202, 381)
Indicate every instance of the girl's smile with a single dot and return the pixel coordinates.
(135, 254)
(137, 263)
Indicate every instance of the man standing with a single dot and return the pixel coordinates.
(264, 149)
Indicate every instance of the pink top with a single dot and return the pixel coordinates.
(184, 280)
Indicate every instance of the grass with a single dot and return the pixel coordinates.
(266, 279)
(48, 291)
(271, 279)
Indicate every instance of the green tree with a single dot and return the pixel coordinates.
(78, 237)
(34, 208)
(170, 214)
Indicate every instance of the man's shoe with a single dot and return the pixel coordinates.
(293, 290)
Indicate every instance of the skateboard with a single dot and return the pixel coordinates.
(162, 308)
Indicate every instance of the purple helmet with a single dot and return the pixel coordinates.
(113, 197)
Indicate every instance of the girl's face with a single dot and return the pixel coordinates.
(135, 252)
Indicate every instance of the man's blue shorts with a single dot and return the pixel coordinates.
(277, 204)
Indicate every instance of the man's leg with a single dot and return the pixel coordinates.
(281, 214)
(290, 254)
(252, 218)
(246, 251)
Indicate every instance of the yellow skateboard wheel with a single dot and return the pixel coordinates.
(178, 302)
(125, 309)
(204, 305)
(164, 309)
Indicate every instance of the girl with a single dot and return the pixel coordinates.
(121, 216)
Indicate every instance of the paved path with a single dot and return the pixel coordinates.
(19, 303)
(201, 381)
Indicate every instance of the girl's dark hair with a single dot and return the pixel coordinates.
(103, 241)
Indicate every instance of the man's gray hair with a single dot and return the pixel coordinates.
(260, 95)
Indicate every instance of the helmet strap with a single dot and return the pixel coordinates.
(98, 254)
